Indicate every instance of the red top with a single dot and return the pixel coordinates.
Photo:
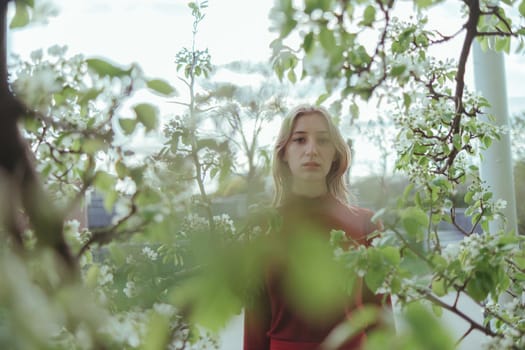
(272, 322)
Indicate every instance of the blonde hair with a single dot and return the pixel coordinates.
(281, 172)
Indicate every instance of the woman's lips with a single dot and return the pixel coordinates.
(311, 165)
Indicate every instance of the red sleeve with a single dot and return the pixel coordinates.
(257, 319)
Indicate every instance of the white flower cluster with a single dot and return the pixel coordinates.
(150, 253)
(224, 224)
(127, 328)
(72, 229)
(451, 251)
(105, 275)
(409, 290)
(130, 289)
(501, 343)
(35, 88)
(164, 309)
(194, 222)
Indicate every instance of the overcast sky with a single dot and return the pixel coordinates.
(151, 32)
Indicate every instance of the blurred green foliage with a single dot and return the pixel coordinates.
(169, 269)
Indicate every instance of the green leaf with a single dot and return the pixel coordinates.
(121, 169)
(520, 261)
(477, 289)
(285, 8)
(308, 41)
(110, 198)
(354, 110)
(91, 146)
(148, 197)
(91, 278)
(157, 333)
(406, 192)
(438, 310)
(369, 16)
(522, 8)
(415, 222)
(392, 255)
(21, 17)
(32, 124)
(456, 141)
(89, 95)
(128, 125)
(438, 287)
(407, 100)
(147, 115)
(427, 331)
(104, 181)
(377, 270)
(322, 98)
(502, 44)
(291, 76)
(487, 141)
(310, 6)
(311, 268)
(288, 26)
(362, 318)
(137, 174)
(468, 197)
(327, 39)
(214, 171)
(398, 70)
(440, 263)
(423, 3)
(104, 68)
(161, 86)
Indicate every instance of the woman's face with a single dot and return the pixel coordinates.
(310, 151)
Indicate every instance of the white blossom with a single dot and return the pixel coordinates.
(167, 310)
(126, 328)
(57, 50)
(36, 55)
(129, 289)
(150, 253)
(105, 275)
(36, 87)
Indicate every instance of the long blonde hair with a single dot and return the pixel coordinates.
(281, 172)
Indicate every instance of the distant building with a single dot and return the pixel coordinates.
(97, 216)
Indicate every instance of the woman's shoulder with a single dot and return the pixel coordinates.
(356, 210)
(363, 217)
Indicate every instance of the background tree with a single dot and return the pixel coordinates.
(240, 113)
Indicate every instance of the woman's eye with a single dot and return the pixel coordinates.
(299, 139)
(323, 141)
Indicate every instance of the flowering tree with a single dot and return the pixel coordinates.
(439, 136)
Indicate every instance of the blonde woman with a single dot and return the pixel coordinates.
(309, 163)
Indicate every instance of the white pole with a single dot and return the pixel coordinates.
(496, 167)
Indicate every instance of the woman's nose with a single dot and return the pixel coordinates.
(311, 148)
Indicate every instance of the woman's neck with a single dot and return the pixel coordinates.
(309, 189)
